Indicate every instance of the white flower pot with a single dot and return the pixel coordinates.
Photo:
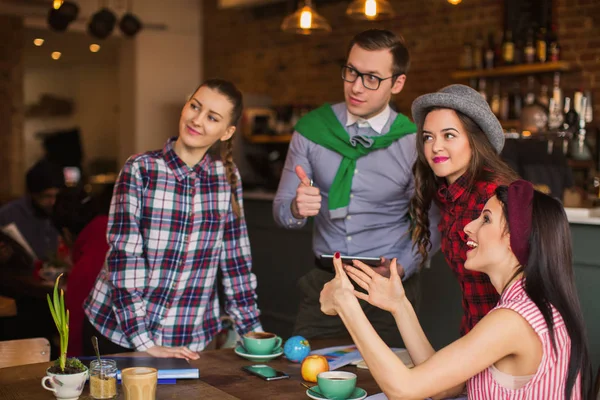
(65, 387)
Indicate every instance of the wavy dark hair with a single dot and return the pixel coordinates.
(549, 281)
(485, 165)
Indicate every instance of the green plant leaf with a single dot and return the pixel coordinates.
(53, 313)
(63, 316)
(56, 301)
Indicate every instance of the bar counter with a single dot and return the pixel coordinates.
(282, 256)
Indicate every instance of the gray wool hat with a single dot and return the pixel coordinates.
(469, 102)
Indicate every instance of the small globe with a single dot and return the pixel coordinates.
(296, 348)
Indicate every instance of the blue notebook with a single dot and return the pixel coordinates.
(168, 368)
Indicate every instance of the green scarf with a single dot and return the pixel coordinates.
(322, 127)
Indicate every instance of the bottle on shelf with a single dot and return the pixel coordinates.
(495, 100)
(530, 94)
(478, 52)
(589, 110)
(466, 60)
(557, 94)
(553, 46)
(519, 52)
(498, 49)
(580, 149)
(541, 47)
(555, 115)
(515, 102)
(508, 49)
(529, 49)
(490, 52)
(473, 83)
(571, 118)
(482, 88)
(504, 106)
(577, 102)
(543, 96)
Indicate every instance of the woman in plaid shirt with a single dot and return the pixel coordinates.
(458, 166)
(176, 220)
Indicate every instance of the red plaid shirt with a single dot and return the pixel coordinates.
(458, 207)
(171, 228)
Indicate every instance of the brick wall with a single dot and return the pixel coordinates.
(251, 50)
(11, 107)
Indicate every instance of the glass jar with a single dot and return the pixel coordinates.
(103, 379)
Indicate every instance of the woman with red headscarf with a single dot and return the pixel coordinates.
(532, 345)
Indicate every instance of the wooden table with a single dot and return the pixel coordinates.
(221, 377)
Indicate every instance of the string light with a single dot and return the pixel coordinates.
(454, 2)
(38, 42)
(56, 55)
(56, 4)
(94, 48)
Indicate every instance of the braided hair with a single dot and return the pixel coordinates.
(232, 93)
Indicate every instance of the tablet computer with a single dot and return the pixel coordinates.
(370, 261)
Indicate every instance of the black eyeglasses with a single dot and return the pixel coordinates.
(369, 81)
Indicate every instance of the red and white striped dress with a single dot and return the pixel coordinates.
(550, 379)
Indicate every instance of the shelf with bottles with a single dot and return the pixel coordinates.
(533, 51)
(514, 70)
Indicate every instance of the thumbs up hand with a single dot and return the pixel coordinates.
(307, 202)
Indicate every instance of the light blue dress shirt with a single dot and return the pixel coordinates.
(377, 223)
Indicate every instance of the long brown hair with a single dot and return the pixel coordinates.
(228, 89)
(485, 165)
(550, 281)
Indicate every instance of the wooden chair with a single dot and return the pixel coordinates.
(24, 351)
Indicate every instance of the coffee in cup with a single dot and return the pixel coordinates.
(261, 343)
(139, 383)
(336, 385)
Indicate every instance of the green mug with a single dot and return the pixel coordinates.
(336, 385)
(261, 343)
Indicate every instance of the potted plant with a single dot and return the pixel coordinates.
(66, 378)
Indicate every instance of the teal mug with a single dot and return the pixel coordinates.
(261, 343)
(336, 385)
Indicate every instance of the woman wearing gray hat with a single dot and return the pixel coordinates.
(458, 167)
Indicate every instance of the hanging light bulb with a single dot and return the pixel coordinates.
(305, 21)
(306, 18)
(454, 2)
(56, 4)
(60, 17)
(370, 10)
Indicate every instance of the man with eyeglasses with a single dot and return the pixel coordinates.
(349, 165)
